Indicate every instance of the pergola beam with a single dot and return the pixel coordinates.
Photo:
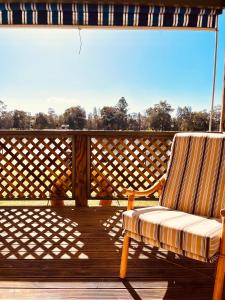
(176, 3)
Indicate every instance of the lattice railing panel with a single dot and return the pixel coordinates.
(30, 166)
(123, 162)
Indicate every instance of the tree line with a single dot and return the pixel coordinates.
(159, 117)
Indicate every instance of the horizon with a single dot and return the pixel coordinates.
(42, 68)
(172, 113)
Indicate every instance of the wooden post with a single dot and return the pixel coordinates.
(214, 80)
(73, 167)
(222, 117)
(130, 202)
(80, 170)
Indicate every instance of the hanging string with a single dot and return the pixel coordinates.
(81, 43)
(214, 80)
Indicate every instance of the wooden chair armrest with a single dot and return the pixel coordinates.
(158, 186)
(222, 245)
(222, 212)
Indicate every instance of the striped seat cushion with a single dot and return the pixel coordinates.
(196, 174)
(191, 235)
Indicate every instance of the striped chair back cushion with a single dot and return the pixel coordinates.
(196, 174)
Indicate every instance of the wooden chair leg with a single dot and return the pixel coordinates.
(219, 280)
(124, 257)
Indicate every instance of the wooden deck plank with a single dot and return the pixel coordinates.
(74, 253)
(139, 294)
(113, 272)
(150, 262)
(90, 282)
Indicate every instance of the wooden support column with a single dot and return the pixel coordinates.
(80, 170)
(222, 117)
(214, 80)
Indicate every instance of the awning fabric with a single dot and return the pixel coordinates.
(94, 15)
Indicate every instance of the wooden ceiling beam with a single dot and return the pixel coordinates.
(176, 3)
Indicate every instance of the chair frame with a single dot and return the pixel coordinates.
(157, 187)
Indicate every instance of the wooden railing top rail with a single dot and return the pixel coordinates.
(86, 133)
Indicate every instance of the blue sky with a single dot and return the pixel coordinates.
(42, 68)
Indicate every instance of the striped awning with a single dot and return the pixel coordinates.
(105, 15)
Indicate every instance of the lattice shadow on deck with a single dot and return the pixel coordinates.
(76, 251)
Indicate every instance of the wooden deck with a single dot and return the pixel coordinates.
(74, 253)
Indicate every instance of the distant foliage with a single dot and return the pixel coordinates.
(115, 117)
(21, 119)
(75, 117)
(41, 121)
(159, 117)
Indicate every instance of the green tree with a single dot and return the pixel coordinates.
(6, 120)
(21, 119)
(200, 121)
(94, 120)
(2, 107)
(121, 113)
(122, 105)
(184, 118)
(41, 121)
(109, 117)
(187, 120)
(90, 122)
(133, 122)
(159, 116)
(75, 117)
(52, 118)
(216, 118)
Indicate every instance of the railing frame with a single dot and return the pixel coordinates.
(81, 164)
